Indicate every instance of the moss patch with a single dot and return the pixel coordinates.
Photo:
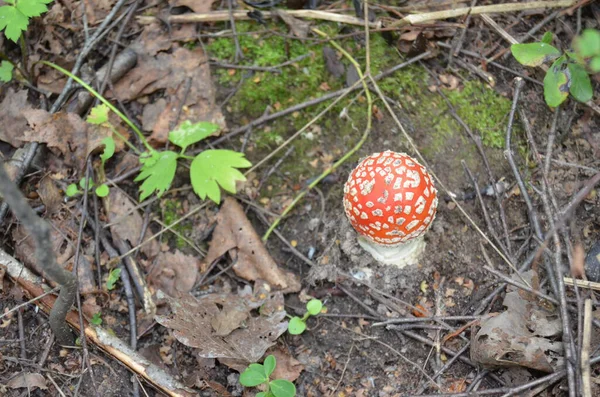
(171, 212)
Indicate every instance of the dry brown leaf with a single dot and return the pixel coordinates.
(198, 6)
(127, 222)
(66, 134)
(192, 321)
(11, 116)
(28, 380)
(174, 273)
(287, 366)
(253, 262)
(50, 194)
(298, 27)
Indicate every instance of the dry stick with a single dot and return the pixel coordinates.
(238, 50)
(34, 286)
(507, 7)
(558, 271)
(585, 349)
(510, 281)
(223, 16)
(40, 231)
(28, 302)
(459, 42)
(425, 319)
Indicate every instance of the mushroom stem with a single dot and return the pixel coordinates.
(400, 255)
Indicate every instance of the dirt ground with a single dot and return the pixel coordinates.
(343, 352)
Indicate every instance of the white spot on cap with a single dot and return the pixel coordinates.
(369, 204)
(377, 212)
(407, 209)
(412, 224)
(409, 195)
(398, 197)
(364, 215)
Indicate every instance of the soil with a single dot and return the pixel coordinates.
(342, 352)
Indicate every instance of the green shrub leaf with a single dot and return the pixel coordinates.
(588, 43)
(547, 37)
(269, 364)
(213, 168)
(32, 8)
(595, 64)
(112, 279)
(157, 172)
(556, 84)
(314, 306)
(534, 54)
(253, 377)
(282, 388)
(98, 115)
(6, 69)
(13, 22)
(109, 149)
(296, 326)
(188, 133)
(581, 86)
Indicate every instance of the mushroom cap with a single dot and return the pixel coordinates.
(390, 198)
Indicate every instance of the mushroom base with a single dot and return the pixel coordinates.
(400, 255)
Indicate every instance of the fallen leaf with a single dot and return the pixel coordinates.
(50, 194)
(287, 366)
(28, 380)
(332, 62)
(174, 273)
(192, 321)
(11, 116)
(234, 230)
(298, 27)
(198, 6)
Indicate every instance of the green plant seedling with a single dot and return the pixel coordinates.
(113, 277)
(258, 374)
(96, 319)
(6, 70)
(569, 71)
(297, 325)
(15, 15)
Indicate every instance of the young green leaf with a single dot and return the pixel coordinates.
(72, 190)
(102, 190)
(534, 54)
(253, 377)
(14, 18)
(96, 319)
(112, 279)
(261, 394)
(595, 64)
(187, 134)
(269, 364)
(296, 326)
(157, 172)
(282, 388)
(6, 69)
(581, 86)
(98, 115)
(109, 149)
(82, 183)
(212, 168)
(556, 84)
(314, 306)
(547, 37)
(588, 43)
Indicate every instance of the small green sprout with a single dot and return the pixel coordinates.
(258, 374)
(96, 319)
(113, 277)
(297, 325)
(569, 71)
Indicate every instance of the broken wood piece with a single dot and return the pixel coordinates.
(582, 283)
(120, 350)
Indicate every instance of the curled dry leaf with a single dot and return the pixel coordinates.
(11, 116)
(174, 273)
(520, 335)
(287, 366)
(27, 380)
(218, 333)
(234, 230)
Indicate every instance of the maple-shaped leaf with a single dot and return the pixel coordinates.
(187, 134)
(213, 168)
(14, 21)
(32, 8)
(98, 115)
(158, 171)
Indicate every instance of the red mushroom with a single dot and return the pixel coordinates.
(390, 201)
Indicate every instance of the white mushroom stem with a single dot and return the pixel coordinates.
(400, 255)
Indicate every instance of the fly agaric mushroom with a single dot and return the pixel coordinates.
(390, 201)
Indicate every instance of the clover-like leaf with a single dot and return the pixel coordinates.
(595, 64)
(253, 376)
(556, 84)
(581, 86)
(187, 134)
(213, 168)
(534, 54)
(6, 69)
(314, 306)
(96, 319)
(102, 190)
(109, 149)
(98, 115)
(588, 43)
(296, 326)
(83, 181)
(282, 388)
(72, 190)
(269, 364)
(158, 171)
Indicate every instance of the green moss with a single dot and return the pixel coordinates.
(171, 212)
